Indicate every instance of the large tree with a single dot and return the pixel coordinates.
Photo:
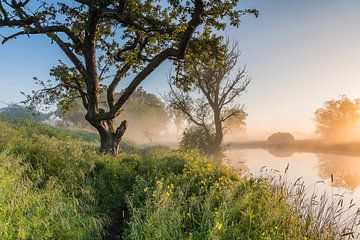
(102, 37)
(338, 119)
(211, 103)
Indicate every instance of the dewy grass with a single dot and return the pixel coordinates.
(324, 214)
(54, 185)
(199, 204)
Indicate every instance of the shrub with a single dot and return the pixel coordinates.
(194, 137)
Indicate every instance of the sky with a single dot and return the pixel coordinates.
(298, 54)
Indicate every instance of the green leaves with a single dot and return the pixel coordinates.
(338, 119)
(101, 37)
(204, 50)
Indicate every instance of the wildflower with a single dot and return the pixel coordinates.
(218, 226)
(171, 187)
(159, 184)
(145, 189)
(22, 234)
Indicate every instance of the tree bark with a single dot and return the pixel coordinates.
(109, 138)
(218, 129)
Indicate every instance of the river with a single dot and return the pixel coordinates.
(314, 169)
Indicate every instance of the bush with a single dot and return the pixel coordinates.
(194, 137)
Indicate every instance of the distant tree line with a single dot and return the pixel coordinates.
(339, 120)
(146, 111)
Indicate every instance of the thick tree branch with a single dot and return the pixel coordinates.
(154, 63)
(195, 21)
(47, 30)
(92, 80)
(3, 12)
(17, 23)
(111, 89)
(79, 66)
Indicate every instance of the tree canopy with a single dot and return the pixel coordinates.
(338, 119)
(212, 105)
(108, 40)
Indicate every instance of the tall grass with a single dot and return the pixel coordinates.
(206, 201)
(326, 215)
(54, 185)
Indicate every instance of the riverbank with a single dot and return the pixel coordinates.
(57, 186)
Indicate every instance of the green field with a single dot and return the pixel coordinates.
(54, 185)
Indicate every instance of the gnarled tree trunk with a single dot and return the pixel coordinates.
(110, 139)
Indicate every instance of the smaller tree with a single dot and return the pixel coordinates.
(210, 104)
(338, 120)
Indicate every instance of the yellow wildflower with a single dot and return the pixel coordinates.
(218, 226)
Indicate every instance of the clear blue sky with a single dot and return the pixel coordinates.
(299, 54)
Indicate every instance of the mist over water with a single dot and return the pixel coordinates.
(315, 169)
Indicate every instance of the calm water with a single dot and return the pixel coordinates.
(312, 167)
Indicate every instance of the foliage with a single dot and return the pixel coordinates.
(18, 111)
(43, 195)
(147, 115)
(338, 120)
(144, 111)
(100, 38)
(211, 107)
(207, 201)
(194, 137)
(73, 116)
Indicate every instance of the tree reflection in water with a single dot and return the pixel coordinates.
(281, 152)
(345, 170)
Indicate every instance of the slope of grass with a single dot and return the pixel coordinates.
(54, 185)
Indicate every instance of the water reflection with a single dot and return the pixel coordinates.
(281, 152)
(310, 166)
(345, 170)
(314, 169)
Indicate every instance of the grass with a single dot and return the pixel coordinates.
(54, 185)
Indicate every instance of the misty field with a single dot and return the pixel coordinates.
(54, 185)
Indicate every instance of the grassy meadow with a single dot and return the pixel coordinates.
(54, 185)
